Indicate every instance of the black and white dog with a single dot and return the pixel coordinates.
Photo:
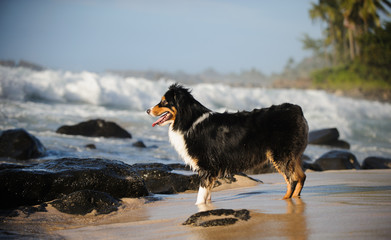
(217, 144)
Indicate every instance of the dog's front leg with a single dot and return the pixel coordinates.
(204, 195)
(205, 190)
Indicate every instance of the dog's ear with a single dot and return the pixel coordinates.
(178, 92)
(178, 98)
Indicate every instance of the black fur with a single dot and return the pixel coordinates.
(227, 143)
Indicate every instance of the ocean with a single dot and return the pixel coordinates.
(42, 101)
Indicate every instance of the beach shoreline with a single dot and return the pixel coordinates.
(343, 204)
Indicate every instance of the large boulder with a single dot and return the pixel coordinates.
(376, 163)
(85, 201)
(328, 137)
(160, 178)
(95, 128)
(19, 144)
(336, 160)
(34, 184)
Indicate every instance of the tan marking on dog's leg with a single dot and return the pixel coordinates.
(300, 177)
(288, 193)
(289, 190)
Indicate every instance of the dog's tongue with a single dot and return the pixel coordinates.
(159, 120)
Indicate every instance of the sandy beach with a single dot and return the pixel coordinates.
(347, 204)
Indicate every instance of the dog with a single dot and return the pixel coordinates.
(217, 144)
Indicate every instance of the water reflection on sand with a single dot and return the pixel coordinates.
(292, 224)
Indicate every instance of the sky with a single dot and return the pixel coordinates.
(170, 35)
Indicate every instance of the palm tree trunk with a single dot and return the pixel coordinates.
(351, 44)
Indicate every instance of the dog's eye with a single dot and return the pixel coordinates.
(164, 102)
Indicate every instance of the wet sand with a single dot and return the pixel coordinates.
(334, 205)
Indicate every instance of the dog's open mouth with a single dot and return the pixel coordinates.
(163, 118)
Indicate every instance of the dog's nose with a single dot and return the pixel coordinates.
(148, 111)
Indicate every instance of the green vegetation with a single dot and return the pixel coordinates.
(356, 46)
(348, 77)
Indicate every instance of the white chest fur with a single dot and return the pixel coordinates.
(178, 141)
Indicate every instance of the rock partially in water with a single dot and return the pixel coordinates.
(213, 218)
(90, 146)
(159, 178)
(95, 128)
(85, 201)
(336, 160)
(376, 163)
(328, 137)
(179, 166)
(139, 144)
(19, 144)
(38, 183)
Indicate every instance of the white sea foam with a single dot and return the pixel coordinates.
(42, 101)
(84, 87)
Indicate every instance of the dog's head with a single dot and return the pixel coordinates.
(167, 108)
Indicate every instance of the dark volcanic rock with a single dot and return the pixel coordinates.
(336, 160)
(95, 128)
(32, 209)
(213, 217)
(90, 146)
(329, 137)
(53, 179)
(311, 166)
(85, 201)
(159, 178)
(19, 144)
(179, 166)
(139, 144)
(376, 163)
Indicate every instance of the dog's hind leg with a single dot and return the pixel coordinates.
(291, 184)
(283, 166)
(300, 177)
(294, 176)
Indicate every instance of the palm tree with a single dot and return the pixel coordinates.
(346, 21)
(329, 12)
(361, 16)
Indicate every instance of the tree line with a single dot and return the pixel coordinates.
(354, 38)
